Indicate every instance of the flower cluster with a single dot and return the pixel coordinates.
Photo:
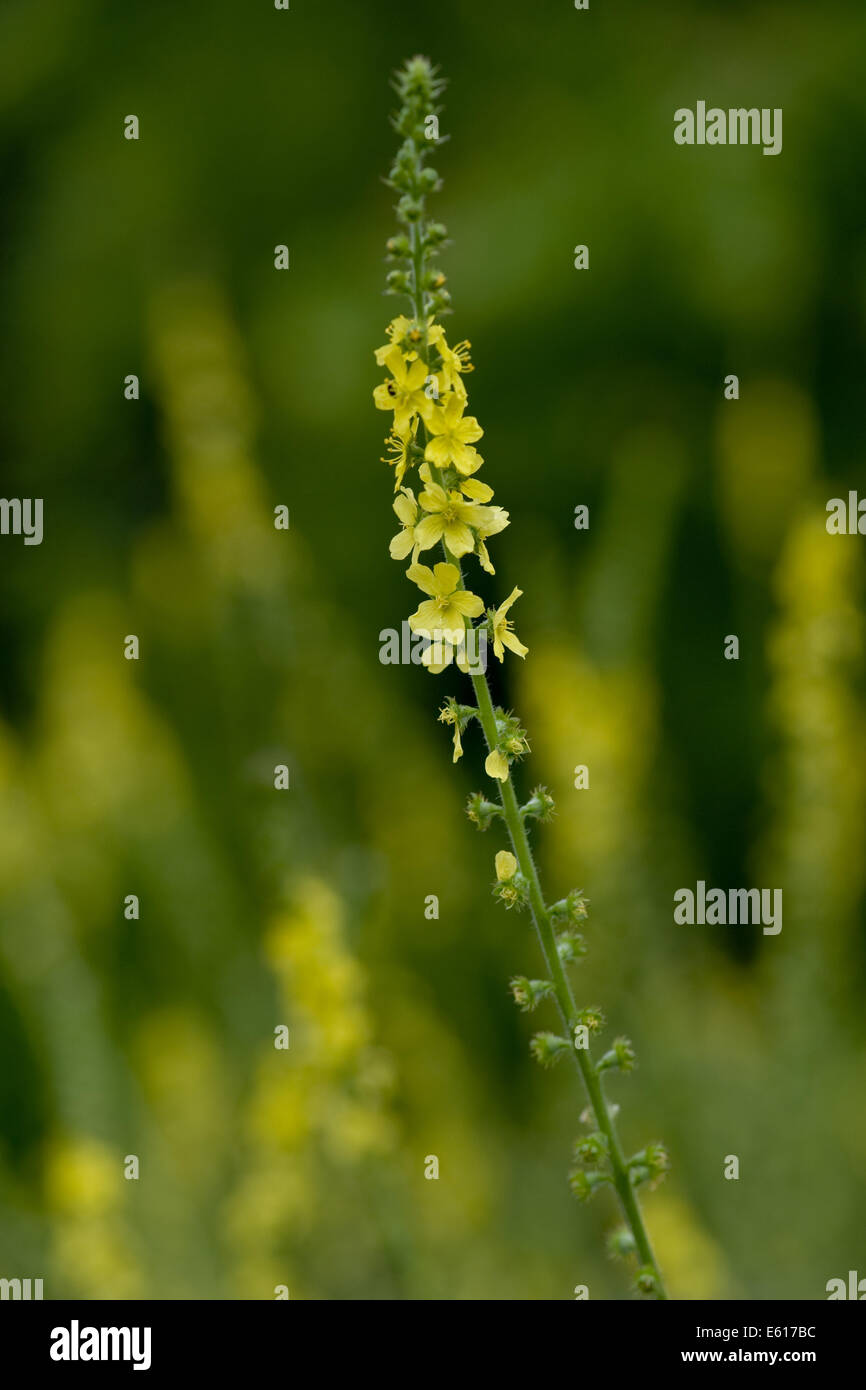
(425, 393)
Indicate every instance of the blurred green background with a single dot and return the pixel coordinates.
(306, 908)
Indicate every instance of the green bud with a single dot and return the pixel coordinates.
(621, 1243)
(570, 947)
(512, 738)
(398, 282)
(591, 1018)
(529, 993)
(621, 1055)
(481, 811)
(440, 302)
(645, 1280)
(547, 1048)
(571, 909)
(435, 235)
(592, 1149)
(649, 1166)
(583, 1183)
(409, 209)
(540, 805)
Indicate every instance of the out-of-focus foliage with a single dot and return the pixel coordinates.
(154, 1037)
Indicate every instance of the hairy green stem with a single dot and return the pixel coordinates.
(564, 998)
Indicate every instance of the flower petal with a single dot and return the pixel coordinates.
(468, 604)
(496, 765)
(445, 578)
(401, 544)
(422, 575)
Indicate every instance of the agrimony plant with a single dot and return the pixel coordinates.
(432, 432)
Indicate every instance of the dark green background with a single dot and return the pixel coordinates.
(604, 387)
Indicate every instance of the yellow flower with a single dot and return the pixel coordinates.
(502, 633)
(407, 514)
(445, 611)
(404, 392)
(495, 519)
(406, 330)
(450, 715)
(506, 866)
(439, 655)
(398, 447)
(496, 765)
(450, 519)
(453, 433)
(454, 361)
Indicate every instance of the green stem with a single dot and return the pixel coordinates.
(564, 998)
(589, 1074)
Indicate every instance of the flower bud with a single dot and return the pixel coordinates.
(435, 235)
(529, 993)
(621, 1055)
(592, 1149)
(645, 1280)
(649, 1166)
(409, 209)
(540, 805)
(571, 909)
(481, 811)
(621, 1243)
(583, 1184)
(547, 1048)
(591, 1018)
(570, 947)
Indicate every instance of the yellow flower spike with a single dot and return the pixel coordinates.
(503, 636)
(453, 433)
(506, 866)
(496, 765)
(454, 509)
(448, 606)
(404, 392)
(450, 519)
(407, 514)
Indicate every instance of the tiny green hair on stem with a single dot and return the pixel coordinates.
(453, 515)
